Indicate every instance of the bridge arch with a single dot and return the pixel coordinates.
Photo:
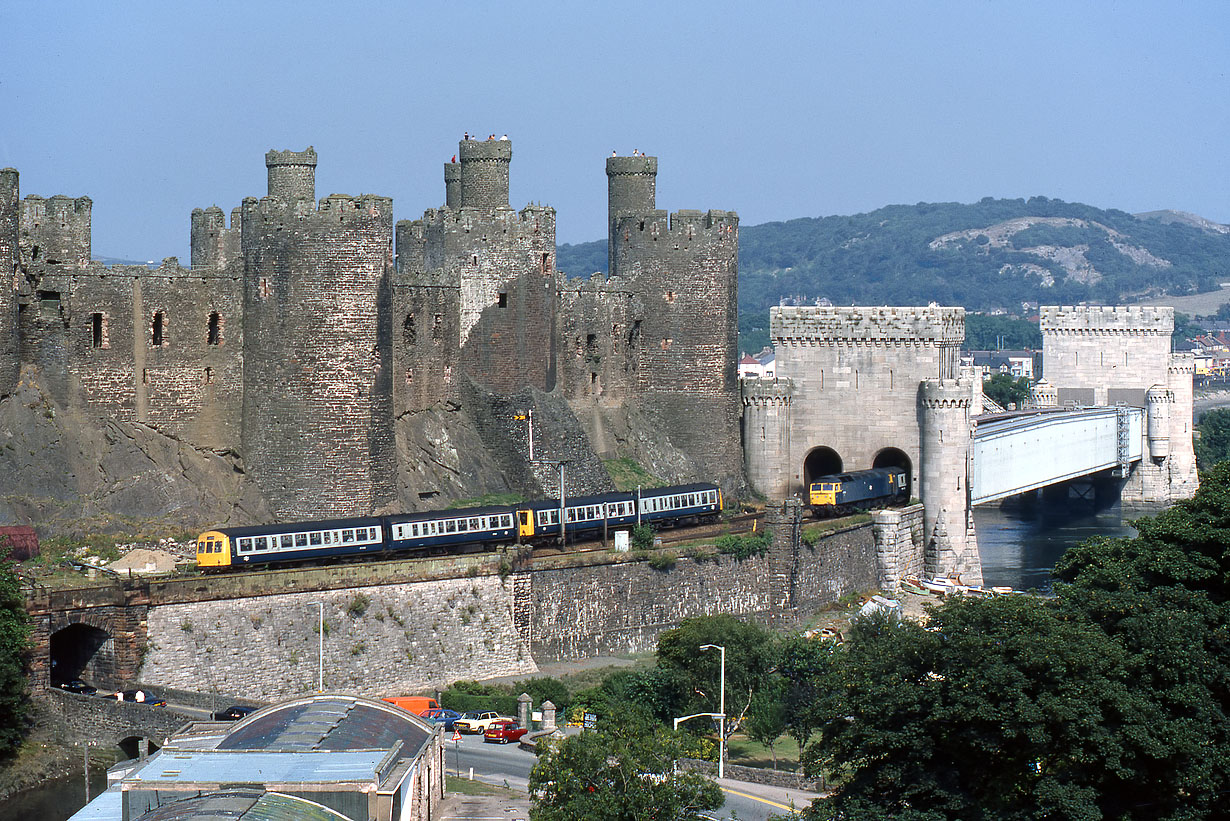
(896, 458)
(131, 746)
(820, 461)
(83, 651)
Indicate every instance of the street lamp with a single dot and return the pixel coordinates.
(722, 710)
(320, 634)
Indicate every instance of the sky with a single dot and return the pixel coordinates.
(773, 110)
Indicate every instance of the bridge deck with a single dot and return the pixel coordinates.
(1025, 450)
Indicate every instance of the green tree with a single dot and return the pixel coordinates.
(751, 660)
(1005, 390)
(14, 652)
(1213, 444)
(623, 769)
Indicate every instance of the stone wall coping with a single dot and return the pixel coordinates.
(756, 775)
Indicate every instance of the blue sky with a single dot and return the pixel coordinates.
(775, 110)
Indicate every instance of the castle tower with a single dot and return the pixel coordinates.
(452, 185)
(484, 173)
(766, 433)
(1043, 394)
(631, 190)
(10, 220)
(1184, 480)
(317, 399)
(292, 174)
(56, 231)
(1104, 355)
(682, 348)
(215, 246)
(475, 289)
(944, 406)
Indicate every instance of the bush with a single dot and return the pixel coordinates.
(662, 561)
(643, 536)
(745, 546)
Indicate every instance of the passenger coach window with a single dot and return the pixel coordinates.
(347, 535)
(245, 545)
(300, 540)
(314, 538)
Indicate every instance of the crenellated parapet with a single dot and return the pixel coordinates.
(484, 173)
(759, 392)
(831, 325)
(1103, 320)
(215, 245)
(55, 231)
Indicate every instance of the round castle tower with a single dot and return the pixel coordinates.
(1043, 394)
(944, 451)
(452, 185)
(292, 174)
(484, 173)
(1158, 400)
(631, 190)
(766, 433)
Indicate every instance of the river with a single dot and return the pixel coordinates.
(54, 800)
(1020, 543)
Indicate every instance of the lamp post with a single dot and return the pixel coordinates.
(320, 635)
(722, 710)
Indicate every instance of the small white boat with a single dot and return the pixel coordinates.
(941, 587)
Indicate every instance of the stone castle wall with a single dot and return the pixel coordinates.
(294, 341)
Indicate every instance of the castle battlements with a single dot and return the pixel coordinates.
(1146, 320)
(761, 392)
(331, 210)
(831, 325)
(684, 223)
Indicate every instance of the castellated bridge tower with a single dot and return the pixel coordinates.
(317, 400)
(474, 292)
(10, 220)
(1102, 355)
(678, 332)
(858, 388)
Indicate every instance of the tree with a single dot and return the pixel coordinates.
(751, 659)
(1003, 389)
(14, 651)
(623, 769)
(1213, 445)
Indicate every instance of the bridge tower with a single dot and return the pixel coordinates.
(948, 523)
(1102, 355)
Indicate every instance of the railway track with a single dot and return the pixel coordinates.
(744, 523)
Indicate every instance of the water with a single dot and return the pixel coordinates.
(1020, 543)
(54, 800)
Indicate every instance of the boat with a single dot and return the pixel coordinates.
(939, 586)
(911, 584)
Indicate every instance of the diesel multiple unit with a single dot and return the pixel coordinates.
(437, 530)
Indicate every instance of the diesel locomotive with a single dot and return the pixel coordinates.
(858, 490)
(443, 530)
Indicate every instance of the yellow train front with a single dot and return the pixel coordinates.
(213, 550)
(859, 490)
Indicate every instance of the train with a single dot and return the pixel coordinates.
(844, 493)
(435, 531)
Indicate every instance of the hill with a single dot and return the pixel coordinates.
(987, 256)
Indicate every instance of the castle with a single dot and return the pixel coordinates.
(305, 336)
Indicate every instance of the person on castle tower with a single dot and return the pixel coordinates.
(504, 138)
(467, 136)
(613, 154)
(454, 159)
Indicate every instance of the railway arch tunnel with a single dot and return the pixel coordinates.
(83, 651)
(820, 461)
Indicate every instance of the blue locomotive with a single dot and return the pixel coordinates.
(436, 530)
(858, 490)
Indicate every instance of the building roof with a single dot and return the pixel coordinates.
(328, 722)
(246, 805)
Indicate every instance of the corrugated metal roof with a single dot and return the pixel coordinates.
(248, 805)
(328, 723)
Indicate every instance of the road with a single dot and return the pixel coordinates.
(509, 765)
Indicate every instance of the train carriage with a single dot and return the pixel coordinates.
(298, 541)
(435, 529)
(583, 515)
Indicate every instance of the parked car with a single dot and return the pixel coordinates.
(77, 686)
(503, 730)
(441, 715)
(140, 697)
(234, 713)
(475, 721)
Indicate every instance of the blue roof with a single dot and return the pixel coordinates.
(252, 766)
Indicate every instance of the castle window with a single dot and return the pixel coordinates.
(503, 302)
(437, 326)
(215, 328)
(546, 263)
(670, 296)
(409, 376)
(591, 340)
(264, 287)
(209, 375)
(666, 343)
(409, 333)
(156, 338)
(145, 375)
(474, 259)
(98, 331)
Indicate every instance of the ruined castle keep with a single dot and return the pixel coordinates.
(304, 332)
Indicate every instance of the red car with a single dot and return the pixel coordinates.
(503, 730)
